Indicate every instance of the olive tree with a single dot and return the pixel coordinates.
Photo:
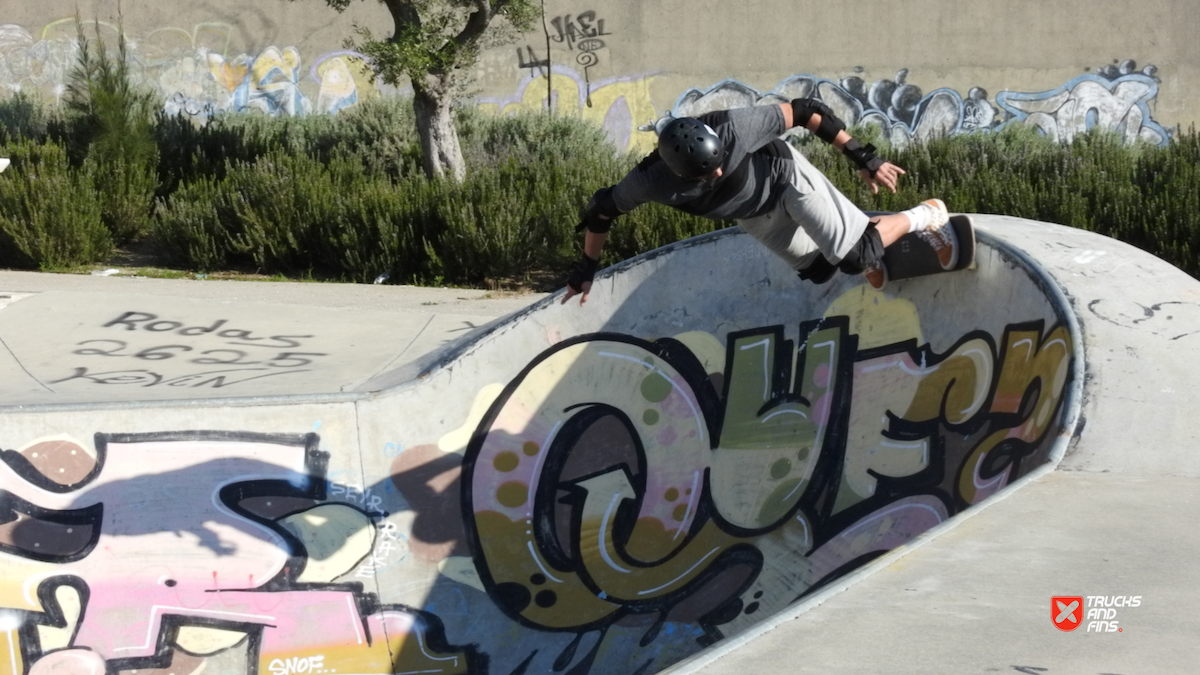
(433, 44)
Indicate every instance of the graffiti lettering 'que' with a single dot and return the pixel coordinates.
(616, 476)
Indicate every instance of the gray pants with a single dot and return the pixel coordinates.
(812, 217)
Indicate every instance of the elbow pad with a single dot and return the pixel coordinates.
(802, 112)
(599, 213)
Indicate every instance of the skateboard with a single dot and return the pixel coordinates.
(911, 257)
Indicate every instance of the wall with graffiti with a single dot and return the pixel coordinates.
(606, 63)
(564, 73)
(192, 69)
(619, 105)
(1115, 98)
(625, 487)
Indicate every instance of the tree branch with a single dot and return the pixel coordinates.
(404, 14)
(477, 24)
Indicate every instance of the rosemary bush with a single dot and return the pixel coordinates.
(50, 216)
(342, 197)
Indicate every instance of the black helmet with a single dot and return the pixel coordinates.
(690, 147)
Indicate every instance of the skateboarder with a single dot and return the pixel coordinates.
(732, 164)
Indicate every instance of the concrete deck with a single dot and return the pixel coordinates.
(81, 339)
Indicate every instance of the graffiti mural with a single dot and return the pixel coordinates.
(618, 505)
(615, 104)
(616, 476)
(177, 550)
(1116, 98)
(27, 63)
(191, 72)
(1120, 104)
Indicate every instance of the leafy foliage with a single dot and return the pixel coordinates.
(341, 197)
(109, 122)
(1141, 194)
(432, 43)
(50, 216)
(22, 118)
(438, 35)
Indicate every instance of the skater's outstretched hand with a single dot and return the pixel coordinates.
(583, 294)
(887, 175)
(579, 280)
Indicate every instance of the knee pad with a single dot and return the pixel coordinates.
(820, 271)
(865, 253)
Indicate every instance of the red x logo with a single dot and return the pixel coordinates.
(1066, 611)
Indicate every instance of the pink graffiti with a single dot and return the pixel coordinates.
(169, 547)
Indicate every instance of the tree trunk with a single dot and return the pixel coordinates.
(441, 155)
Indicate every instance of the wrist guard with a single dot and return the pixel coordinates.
(802, 112)
(583, 271)
(599, 213)
(863, 156)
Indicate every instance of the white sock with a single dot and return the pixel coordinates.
(918, 216)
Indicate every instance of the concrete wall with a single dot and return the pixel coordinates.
(605, 490)
(915, 69)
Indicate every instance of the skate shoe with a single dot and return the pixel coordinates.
(876, 275)
(933, 225)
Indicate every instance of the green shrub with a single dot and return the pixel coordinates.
(195, 227)
(50, 217)
(531, 137)
(382, 230)
(562, 161)
(109, 122)
(498, 223)
(1143, 195)
(342, 197)
(341, 211)
(22, 118)
(292, 214)
(190, 152)
(380, 133)
(125, 190)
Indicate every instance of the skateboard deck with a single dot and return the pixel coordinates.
(912, 257)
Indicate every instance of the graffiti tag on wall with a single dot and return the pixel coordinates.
(191, 72)
(144, 349)
(583, 32)
(616, 103)
(1117, 99)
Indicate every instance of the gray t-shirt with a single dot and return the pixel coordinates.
(757, 165)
